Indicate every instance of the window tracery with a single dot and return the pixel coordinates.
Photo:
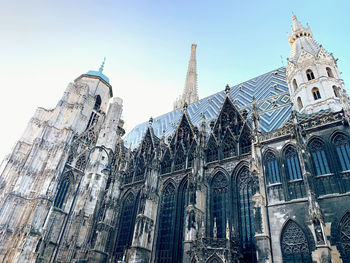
(62, 192)
(166, 225)
(294, 244)
(272, 168)
(180, 159)
(293, 166)
(126, 225)
(319, 158)
(229, 148)
(246, 190)
(212, 151)
(219, 206)
(344, 229)
(140, 169)
(81, 162)
(166, 163)
(342, 147)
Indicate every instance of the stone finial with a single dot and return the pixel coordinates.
(185, 106)
(150, 121)
(227, 90)
(215, 229)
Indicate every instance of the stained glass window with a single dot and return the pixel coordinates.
(61, 193)
(342, 147)
(166, 224)
(219, 203)
(293, 166)
(126, 225)
(294, 245)
(245, 191)
(319, 158)
(140, 169)
(272, 169)
(344, 229)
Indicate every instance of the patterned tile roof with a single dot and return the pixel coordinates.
(271, 94)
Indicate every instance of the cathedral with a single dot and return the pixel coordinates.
(257, 172)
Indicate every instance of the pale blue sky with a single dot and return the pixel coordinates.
(47, 44)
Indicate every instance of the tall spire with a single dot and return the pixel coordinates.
(190, 93)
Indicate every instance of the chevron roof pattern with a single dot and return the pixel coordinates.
(271, 94)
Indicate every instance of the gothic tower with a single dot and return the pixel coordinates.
(312, 73)
(190, 93)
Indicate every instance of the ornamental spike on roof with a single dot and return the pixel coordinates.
(272, 100)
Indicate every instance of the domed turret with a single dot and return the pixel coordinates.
(312, 73)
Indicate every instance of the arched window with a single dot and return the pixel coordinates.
(344, 230)
(229, 146)
(300, 103)
(97, 103)
(140, 169)
(319, 158)
(180, 159)
(342, 147)
(273, 173)
(294, 244)
(245, 191)
(295, 85)
(166, 163)
(293, 165)
(329, 72)
(166, 224)
(316, 93)
(245, 143)
(219, 206)
(126, 225)
(336, 91)
(212, 151)
(62, 192)
(81, 162)
(309, 74)
(191, 156)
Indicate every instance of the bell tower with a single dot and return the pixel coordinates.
(312, 74)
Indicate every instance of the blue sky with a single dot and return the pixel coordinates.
(47, 44)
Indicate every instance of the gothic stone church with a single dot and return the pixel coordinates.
(259, 172)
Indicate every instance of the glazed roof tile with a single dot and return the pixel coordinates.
(271, 94)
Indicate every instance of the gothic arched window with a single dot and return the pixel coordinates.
(295, 85)
(212, 151)
(294, 245)
(300, 103)
(342, 147)
(336, 91)
(344, 230)
(245, 191)
(329, 72)
(229, 146)
(272, 170)
(191, 155)
(293, 165)
(316, 93)
(62, 192)
(166, 224)
(309, 74)
(126, 225)
(97, 102)
(219, 206)
(180, 159)
(166, 163)
(245, 143)
(319, 158)
(140, 169)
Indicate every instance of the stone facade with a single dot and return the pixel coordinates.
(214, 190)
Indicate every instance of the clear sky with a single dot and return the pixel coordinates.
(47, 44)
